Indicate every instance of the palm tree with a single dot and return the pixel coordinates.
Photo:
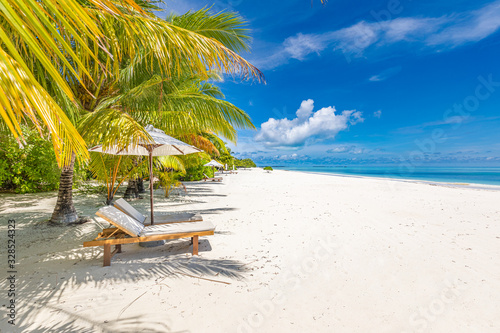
(200, 114)
(113, 108)
(31, 43)
(44, 42)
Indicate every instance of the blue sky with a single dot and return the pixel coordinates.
(369, 82)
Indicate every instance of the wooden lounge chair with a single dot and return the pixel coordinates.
(128, 209)
(128, 231)
(214, 179)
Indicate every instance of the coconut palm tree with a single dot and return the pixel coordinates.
(45, 42)
(111, 111)
(31, 43)
(200, 113)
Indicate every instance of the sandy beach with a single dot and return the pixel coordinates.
(292, 252)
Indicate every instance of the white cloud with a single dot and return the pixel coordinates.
(358, 151)
(340, 149)
(377, 114)
(346, 149)
(435, 33)
(356, 38)
(308, 126)
(292, 157)
(474, 27)
(301, 45)
(384, 75)
(305, 110)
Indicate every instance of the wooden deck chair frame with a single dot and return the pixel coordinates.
(118, 237)
(214, 179)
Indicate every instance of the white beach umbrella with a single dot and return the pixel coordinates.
(214, 163)
(162, 145)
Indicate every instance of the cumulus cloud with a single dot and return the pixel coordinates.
(306, 109)
(377, 114)
(436, 33)
(308, 126)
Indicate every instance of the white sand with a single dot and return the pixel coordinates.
(302, 253)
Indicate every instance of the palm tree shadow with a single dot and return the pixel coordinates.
(71, 322)
(59, 265)
(75, 268)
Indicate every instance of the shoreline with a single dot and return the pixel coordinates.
(476, 186)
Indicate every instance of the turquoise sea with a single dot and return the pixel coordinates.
(474, 175)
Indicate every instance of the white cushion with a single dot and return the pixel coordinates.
(125, 207)
(121, 220)
(176, 228)
(174, 218)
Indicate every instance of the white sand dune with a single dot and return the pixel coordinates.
(292, 252)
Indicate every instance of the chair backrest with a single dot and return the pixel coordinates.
(125, 207)
(121, 220)
(205, 175)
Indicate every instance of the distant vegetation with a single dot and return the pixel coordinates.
(268, 168)
(33, 167)
(244, 163)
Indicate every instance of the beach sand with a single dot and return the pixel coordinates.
(292, 252)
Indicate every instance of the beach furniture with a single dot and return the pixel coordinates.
(128, 230)
(214, 179)
(128, 209)
(162, 145)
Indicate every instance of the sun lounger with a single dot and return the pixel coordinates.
(128, 209)
(128, 230)
(214, 179)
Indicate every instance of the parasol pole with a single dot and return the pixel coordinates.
(151, 183)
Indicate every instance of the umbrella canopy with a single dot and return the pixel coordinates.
(214, 163)
(162, 145)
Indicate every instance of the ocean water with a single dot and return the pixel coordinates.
(473, 175)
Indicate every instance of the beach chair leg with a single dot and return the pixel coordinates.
(107, 255)
(195, 245)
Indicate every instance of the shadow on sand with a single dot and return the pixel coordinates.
(58, 264)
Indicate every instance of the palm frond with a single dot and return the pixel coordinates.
(43, 42)
(23, 99)
(172, 46)
(200, 142)
(227, 27)
(167, 163)
(111, 127)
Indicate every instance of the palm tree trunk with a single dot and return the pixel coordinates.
(140, 185)
(132, 191)
(65, 211)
